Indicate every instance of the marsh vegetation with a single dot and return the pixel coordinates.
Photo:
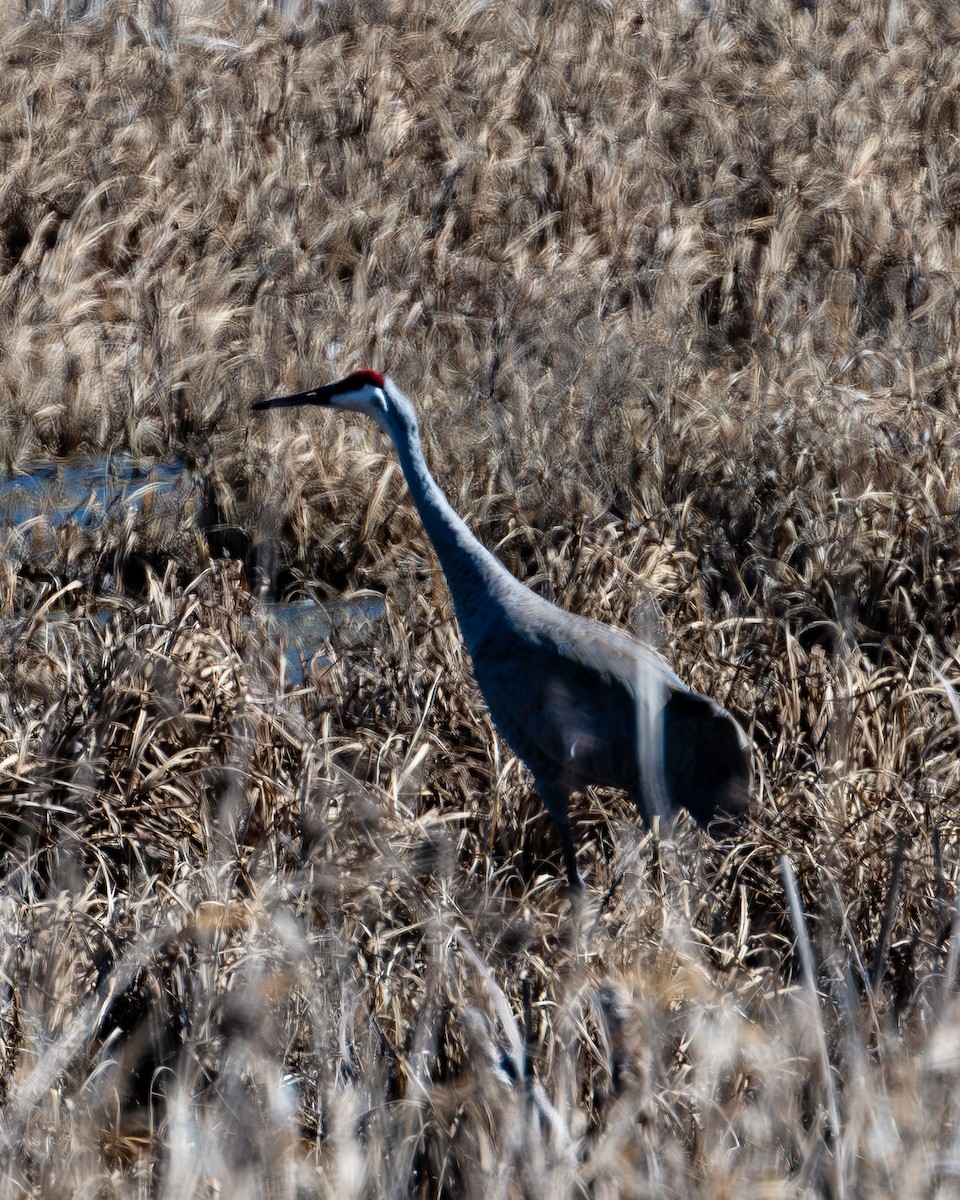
(675, 287)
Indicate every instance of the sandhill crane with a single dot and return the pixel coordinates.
(578, 702)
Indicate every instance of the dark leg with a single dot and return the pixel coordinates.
(556, 801)
(570, 855)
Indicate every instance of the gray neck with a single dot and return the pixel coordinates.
(479, 583)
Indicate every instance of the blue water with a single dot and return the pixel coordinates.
(89, 492)
(307, 625)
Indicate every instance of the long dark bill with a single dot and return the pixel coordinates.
(320, 396)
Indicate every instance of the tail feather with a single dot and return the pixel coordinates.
(706, 759)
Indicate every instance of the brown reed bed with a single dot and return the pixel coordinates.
(674, 287)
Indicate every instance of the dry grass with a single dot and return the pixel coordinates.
(675, 288)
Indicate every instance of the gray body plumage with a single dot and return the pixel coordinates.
(578, 702)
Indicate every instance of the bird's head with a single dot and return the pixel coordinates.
(363, 392)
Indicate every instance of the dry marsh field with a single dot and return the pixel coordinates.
(675, 287)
